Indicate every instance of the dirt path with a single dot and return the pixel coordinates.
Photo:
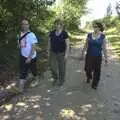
(46, 101)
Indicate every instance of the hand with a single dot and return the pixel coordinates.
(28, 60)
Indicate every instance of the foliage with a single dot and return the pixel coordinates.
(40, 14)
(11, 12)
(71, 11)
(109, 10)
(117, 7)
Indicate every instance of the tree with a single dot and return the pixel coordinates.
(40, 16)
(109, 10)
(11, 12)
(118, 8)
(71, 11)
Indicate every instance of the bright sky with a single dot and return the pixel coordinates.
(98, 9)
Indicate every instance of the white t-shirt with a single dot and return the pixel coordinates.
(26, 44)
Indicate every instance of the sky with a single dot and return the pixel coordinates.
(98, 9)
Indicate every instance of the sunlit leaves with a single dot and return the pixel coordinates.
(71, 11)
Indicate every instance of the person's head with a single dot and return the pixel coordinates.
(97, 26)
(58, 24)
(24, 25)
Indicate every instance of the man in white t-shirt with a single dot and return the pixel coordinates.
(28, 55)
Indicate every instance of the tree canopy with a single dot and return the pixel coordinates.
(40, 14)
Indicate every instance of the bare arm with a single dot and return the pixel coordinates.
(67, 47)
(48, 48)
(105, 50)
(84, 48)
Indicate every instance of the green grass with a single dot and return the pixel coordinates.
(114, 38)
(77, 37)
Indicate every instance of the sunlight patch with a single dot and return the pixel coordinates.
(6, 117)
(67, 114)
(69, 93)
(48, 91)
(8, 107)
(47, 104)
(21, 104)
(36, 106)
(86, 108)
(47, 98)
(79, 71)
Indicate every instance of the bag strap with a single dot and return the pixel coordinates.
(23, 36)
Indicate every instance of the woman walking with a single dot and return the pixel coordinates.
(94, 46)
(58, 48)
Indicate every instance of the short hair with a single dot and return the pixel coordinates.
(99, 25)
(58, 21)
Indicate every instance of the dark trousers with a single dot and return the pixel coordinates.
(93, 68)
(24, 67)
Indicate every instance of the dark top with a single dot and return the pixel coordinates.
(95, 45)
(58, 44)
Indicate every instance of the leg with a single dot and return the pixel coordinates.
(88, 68)
(23, 73)
(62, 67)
(96, 72)
(23, 68)
(33, 67)
(54, 66)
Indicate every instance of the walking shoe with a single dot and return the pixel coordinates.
(60, 83)
(54, 82)
(94, 87)
(88, 81)
(35, 82)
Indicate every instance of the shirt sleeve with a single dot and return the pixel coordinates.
(33, 39)
(66, 35)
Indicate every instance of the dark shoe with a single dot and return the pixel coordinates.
(88, 81)
(54, 82)
(94, 87)
(60, 84)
